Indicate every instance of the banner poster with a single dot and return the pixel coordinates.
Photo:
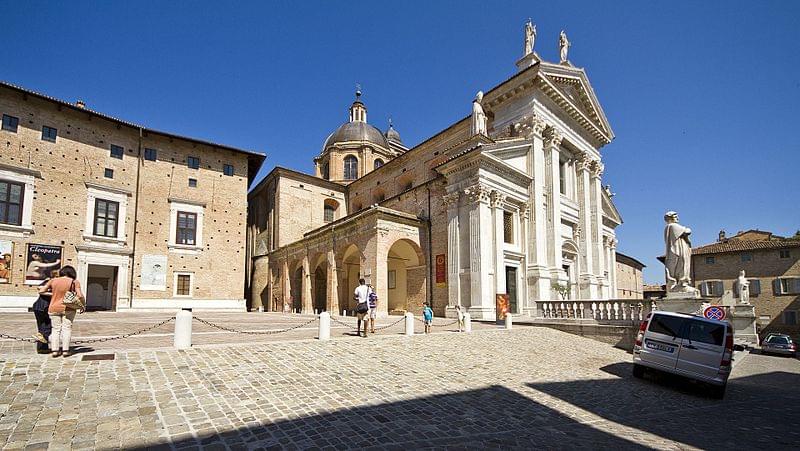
(43, 262)
(6, 260)
(501, 307)
(154, 273)
(441, 270)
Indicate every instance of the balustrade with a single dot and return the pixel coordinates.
(624, 310)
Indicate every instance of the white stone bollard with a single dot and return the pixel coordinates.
(509, 321)
(324, 326)
(183, 330)
(467, 323)
(344, 312)
(409, 323)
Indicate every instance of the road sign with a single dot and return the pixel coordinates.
(716, 312)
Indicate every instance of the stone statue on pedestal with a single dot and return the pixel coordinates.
(678, 256)
(743, 287)
(478, 116)
(563, 46)
(530, 37)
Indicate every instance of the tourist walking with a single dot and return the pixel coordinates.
(460, 316)
(64, 289)
(361, 296)
(373, 308)
(43, 324)
(427, 317)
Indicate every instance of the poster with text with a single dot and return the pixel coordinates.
(441, 270)
(43, 262)
(6, 260)
(154, 273)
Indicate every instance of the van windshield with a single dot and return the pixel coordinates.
(667, 325)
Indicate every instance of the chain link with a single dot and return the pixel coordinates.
(437, 325)
(254, 332)
(119, 337)
(390, 325)
(11, 337)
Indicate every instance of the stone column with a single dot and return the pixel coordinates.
(286, 286)
(587, 280)
(375, 268)
(453, 254)
(599, 268)
(538, 271)
(496, 200)
(332, 295)
(480, 253)
(612, 268)
(552, 142)
(307, 304)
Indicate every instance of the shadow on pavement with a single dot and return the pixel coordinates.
(494, 417)
(758, 410)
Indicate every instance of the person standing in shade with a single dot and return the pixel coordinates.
(361, 296)
(43, 324)
(61, 316)
(427, 317)
(373, 308)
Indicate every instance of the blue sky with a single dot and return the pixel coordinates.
(703, 96)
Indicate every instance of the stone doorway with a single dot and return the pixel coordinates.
(101, 287)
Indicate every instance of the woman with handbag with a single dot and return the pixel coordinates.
(66, 300)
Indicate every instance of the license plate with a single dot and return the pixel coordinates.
(660, 347)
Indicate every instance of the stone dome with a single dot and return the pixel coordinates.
(392, 135)
(356, 131)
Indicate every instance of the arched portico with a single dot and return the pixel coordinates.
(406, 277)
(349, 273)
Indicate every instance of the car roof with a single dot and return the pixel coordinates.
(775, 334)
(689, 316)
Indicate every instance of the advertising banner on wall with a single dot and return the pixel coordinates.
(441, 270)
(154, 273)
(43, 262)
(501, 306)
(6, 260)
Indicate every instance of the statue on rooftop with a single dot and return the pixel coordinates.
(530, 37)
(563, 46)
(478, 115)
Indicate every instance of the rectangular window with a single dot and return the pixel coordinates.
(105, 218)
(790, 318)
(747, 257)
(192, 183)
(10, 123)
(183, 285)
(711, 288)
(11, 199)
(788, 286)
(49, 133)
(784, 253)
(562, 177)
(227, 169)
(193, 162)
(108, 173)
(117, 152)
(150, 154)
(710, 260)
(755, 287)
(186, 228)
(328, 213)
(508, 227)
(704, 332)
(667, 325)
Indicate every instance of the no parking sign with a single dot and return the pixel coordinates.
(716, 312)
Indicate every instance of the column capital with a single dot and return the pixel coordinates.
(478, 193)
(552, 136)
(451, 199)
(497, 199)
(583, 162)
(525, 211)
(531, 125)
(596, 168)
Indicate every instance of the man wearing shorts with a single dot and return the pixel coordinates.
(361, 296)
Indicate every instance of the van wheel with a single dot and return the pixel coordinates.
(718, 392)
(638, 371)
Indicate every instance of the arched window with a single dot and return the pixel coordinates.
(325, 172)
(378, 163)
(329, 213)
(350, 167)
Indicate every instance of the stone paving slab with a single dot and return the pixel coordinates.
(520, 389)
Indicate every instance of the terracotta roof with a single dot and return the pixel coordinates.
(744, 245)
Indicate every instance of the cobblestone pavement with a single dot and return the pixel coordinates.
(95, 325)
(525, 388)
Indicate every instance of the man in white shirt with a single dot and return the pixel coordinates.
(361, 296)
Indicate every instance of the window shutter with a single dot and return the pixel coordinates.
(718, 288)
(703, 288)
(776, 287)
(735, 289)
(755, 287)
(796, 286)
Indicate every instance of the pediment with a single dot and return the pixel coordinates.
(570, 87)
(609, 209)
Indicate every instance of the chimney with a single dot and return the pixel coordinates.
(80, 104)
(721, 235)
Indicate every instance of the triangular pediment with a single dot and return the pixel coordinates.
(571, 87)
(609, 209)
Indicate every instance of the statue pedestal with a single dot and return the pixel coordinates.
(682, 303)
(743, 318)
(528, 61)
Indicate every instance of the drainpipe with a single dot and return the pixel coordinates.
(135, 219)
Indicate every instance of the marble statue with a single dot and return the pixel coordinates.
(678, 257)
(530, 37)
(743, 287)
(478, 116)
(563, 46)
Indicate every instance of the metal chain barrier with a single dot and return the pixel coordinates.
(120, 337)
(342, 323)
(402, 318)
(353, 326)
(11, 337)
(255, 332)
(437, 325)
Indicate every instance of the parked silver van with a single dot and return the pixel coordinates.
(686, 345)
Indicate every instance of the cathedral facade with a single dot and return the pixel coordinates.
(508, 200)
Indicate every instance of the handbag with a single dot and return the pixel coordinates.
(362, 307)
(72, 300)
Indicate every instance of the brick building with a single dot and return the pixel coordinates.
(149, 219)
(630, 284)
(516, 209)
(772, 266)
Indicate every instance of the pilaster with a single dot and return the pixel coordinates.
(496, 203)
(453, 251)
(553, 138)
(537, 270)
(596, 170)
(587, 280)
(480, 223)
(307, 304)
